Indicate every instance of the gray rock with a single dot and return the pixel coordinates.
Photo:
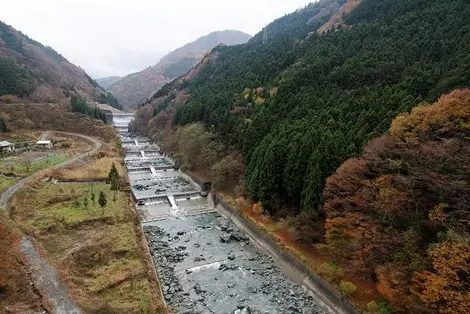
(198, 289)
(222, 267)
(225, 238)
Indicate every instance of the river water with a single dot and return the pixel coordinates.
(205, 264)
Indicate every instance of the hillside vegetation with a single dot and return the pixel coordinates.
(296, 108)
(136, 88)
(53, 117)
(400, 213)
(36, 72)
(296, 102)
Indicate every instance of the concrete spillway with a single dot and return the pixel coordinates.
(205, 264)
(172, 201)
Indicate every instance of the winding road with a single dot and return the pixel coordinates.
(8, 194)
(43, 275)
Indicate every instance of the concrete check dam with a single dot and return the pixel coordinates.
(205, 264)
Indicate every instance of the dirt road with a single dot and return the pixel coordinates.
(8, 194)
(52, 291)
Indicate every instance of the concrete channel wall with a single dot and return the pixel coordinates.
(324, 296)
(329, 301)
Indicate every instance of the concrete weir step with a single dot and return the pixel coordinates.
(209, 263)
(172, 201)
(161, 217)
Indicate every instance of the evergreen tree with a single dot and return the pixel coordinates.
(3, 126)
(113, 177)
(102, 200)
(339, 90)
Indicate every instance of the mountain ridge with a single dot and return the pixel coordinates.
(277, 120)
(36, 72)
(134, 89)
(107, 81)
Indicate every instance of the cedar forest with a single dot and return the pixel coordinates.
(273, 120)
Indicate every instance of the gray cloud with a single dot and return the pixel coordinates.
(118, 37)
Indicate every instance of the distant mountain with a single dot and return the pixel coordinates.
(32, 71)
(106, 82)
(136, 88)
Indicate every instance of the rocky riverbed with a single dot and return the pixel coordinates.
(206, 265)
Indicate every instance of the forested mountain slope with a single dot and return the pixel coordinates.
(36, 72)
(298, 107)
(296, 103)
(400, 213)
(136, 88)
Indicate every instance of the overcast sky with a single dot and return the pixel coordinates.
(118, 37)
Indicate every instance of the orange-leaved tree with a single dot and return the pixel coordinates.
(447, 286)
(391, 213)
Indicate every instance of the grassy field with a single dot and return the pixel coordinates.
(17, 166)
(5, 183)
(99, 252)
(17, 169)
(96, 169)
(94, 248)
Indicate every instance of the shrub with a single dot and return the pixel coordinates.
(76, 203)
(332, 271)
(372, 307)
(347, 288)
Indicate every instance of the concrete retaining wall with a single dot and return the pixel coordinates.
(329, 301)
(324, 295)
(195, 181)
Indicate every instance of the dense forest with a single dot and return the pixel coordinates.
(277, 116)
(14, 79)
(81, 106)
(400, 213)
(297, 108)
(108, 98)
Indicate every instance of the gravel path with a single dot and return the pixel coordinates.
(43, 275)
(46, 281)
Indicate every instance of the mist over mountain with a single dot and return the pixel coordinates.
(135, 88)
(106, 82)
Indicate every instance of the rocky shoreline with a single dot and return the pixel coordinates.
(207, 265)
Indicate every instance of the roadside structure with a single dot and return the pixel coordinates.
(6, 146)
(46, 144)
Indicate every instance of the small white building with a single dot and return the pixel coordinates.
(47, 144)
(6, 146)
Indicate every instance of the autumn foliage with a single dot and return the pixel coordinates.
(447, 287)
(400, 214)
